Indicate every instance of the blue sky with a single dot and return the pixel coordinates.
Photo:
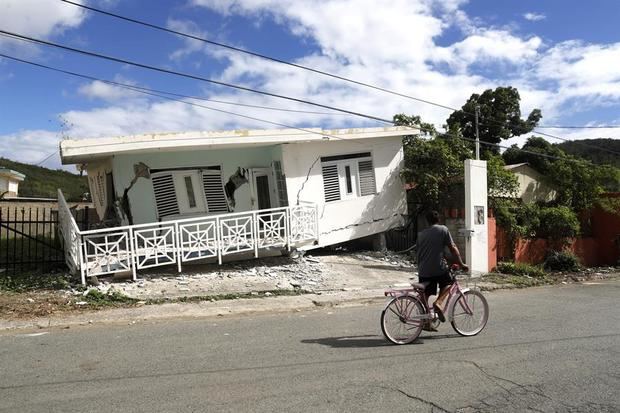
(562, 56)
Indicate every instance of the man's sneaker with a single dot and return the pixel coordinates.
(429, 327)
(439, 313)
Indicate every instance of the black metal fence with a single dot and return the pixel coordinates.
(30, 238)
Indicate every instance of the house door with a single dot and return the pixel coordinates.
(262, 189)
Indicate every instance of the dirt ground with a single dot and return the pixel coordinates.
(269, 276)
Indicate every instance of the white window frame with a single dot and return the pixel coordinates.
(180, 190)
(353, 164)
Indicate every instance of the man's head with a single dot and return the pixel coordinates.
(432, 217)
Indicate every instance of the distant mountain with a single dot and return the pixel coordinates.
(43, 182)
(580, 148)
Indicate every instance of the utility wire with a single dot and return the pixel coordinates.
(321, 72)
(248, 52)
(162, 95)
(186, 75)
(579, 127)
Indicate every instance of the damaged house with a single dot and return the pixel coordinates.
(172, 198)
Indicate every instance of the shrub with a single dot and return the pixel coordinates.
(520, 269)
(561, 261)
(558, 223)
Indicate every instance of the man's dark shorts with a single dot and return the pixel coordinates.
(431, 289)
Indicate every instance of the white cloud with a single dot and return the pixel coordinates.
(35, 18)
(109, 92)
(488, 46)
(534, 17)
(31, 146)
(390, 43)
(190, 45)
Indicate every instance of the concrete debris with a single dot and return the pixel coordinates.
(309, 272)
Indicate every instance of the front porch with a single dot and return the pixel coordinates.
(134, 247)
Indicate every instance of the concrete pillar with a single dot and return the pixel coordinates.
(477, 244)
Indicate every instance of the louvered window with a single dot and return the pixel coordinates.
(214, 191)
(165, 195)
(367, 178)
(348, 176)
(331, 184)
(280, 184)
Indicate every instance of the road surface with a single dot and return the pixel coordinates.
(552, 349)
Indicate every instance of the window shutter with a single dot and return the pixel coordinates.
(367, 178)
(165, 195)
(331, 184)
(214, 191)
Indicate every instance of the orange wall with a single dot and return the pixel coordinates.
(597, 250)
(492, 237)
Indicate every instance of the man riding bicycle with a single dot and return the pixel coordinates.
(433, 268)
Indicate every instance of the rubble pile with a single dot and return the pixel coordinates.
(314, 273)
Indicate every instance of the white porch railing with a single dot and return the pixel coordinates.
(135, 247)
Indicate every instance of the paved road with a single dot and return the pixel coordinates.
(547, 349)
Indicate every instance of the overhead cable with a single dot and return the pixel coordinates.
(186, 75)
(303, 67)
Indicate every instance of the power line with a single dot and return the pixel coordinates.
(165, 92)
(162, 96)
(186, 75)
(248, 52)
(579, 127)
(303, 67)
(167, 71)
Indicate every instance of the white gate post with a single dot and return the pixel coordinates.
(476, 217)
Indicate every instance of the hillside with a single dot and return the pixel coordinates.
(43, 182)
(600, 157)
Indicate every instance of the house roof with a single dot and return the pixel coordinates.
(84, 150)
(515, 165)
(12, 174)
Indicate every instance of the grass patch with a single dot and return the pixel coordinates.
(517, 281)
(96, 298)
(521, 269)
(232, 296)
(30, 281)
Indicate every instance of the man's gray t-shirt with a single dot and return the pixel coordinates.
(431, 245)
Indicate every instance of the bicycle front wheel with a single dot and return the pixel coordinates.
(470, 313)
(402, 319)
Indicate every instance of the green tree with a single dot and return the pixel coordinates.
(500, 117)
(433, 163)
(578, 182)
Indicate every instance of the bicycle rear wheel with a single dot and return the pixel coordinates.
(402, 319)
(470, 313)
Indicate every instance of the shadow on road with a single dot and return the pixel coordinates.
(369, 340)
(350, 341)
(387, 267)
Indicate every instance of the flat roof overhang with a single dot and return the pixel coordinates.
(84, 150)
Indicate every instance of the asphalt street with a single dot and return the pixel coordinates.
(551, 349)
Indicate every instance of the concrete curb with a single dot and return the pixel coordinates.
(202, 309)
(209, 309)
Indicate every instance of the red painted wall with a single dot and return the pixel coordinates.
(492, 237)
(598, 250)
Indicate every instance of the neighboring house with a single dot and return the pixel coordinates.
(532, 185)
(9, 182)
(244, 190)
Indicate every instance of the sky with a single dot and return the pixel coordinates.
(562, 56)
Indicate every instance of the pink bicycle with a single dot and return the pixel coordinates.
(404, 315)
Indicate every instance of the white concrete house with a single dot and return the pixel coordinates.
(9, 182)
(532, 185)
(187, 196)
